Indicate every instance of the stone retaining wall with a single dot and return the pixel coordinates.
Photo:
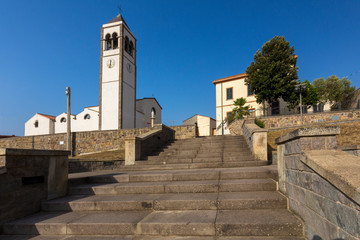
(29, 176)
(310, 118)
(87, 142)
(256, 139)
(184, 131)
(322, 183)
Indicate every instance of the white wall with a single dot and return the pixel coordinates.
(45, 126)
(110, 106)
(82, 124)
(205, 124)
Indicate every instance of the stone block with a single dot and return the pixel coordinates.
(305, 144)
(305, 179)
(347, 236)
(330, 142)
(342, 216)
(292, 177)
(318, 143)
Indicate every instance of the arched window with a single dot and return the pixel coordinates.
(107, 42)
(36, 124)
(115, 40)
(127, 44)
(87, 116)
(131, 48)
(63, 120)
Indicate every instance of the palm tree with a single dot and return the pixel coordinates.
(239, 111)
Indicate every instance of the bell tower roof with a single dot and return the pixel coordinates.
(119, 18)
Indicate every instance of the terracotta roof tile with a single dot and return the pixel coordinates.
(238, 76)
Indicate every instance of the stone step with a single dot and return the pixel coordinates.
(137, 237)
(209, 186)
(174, 175)
(264, 222)
(185, 201)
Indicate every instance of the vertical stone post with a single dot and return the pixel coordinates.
(132, 150)
(295, 143)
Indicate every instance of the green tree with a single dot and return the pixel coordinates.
(333, 89)
(309, 96)
(239, 111)
(273, 74)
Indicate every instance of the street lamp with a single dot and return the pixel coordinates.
(299, 88)
(68, 131)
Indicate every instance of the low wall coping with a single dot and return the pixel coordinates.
(308, 132)
(32, 152)
(350, 147)
(255, 128)
(340, 168)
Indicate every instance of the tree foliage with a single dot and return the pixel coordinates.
(239, 111)
(273, 74)
(308, 94)
(333, 89)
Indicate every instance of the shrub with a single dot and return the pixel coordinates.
(260, 123)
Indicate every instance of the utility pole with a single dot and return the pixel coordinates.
(68, 93)
(299, 88)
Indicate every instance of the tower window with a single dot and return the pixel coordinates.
(63, 120)
(127, 44)
(107, 42)
(131, 48)
(36, 124)
(87, 116)
(115, 40)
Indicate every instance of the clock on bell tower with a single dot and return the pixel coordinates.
(117, 99)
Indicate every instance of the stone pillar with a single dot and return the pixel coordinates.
(132, 150)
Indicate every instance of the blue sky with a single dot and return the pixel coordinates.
(182, 46)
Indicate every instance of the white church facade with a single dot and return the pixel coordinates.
(118, 107)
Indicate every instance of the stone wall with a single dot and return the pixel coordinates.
(310, 118)
(29, 176)
(83, 142)
(184, 131)
(322, 183)
(256, 139)
(87, 142)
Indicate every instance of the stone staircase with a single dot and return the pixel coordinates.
(205, 188)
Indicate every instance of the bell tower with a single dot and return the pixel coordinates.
(117, 98)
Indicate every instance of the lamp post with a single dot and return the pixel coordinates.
(299, 88)
(68, 131)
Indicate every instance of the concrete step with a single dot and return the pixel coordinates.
(117, 237)
(185, 201)
(265, 222)
(208, 186)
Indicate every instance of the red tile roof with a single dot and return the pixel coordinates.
(238, 76)
(48, 116)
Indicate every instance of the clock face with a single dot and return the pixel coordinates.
(129, 68)
(110, 63)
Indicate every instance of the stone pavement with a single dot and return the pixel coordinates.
(204, 188)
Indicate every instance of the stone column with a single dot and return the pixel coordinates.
(132, 150)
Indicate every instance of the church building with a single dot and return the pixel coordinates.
(118, 107)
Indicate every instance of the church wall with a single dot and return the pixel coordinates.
(84, 124)
(148, 104)
(45, 126)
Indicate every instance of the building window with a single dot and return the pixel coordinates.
(131, 48)
(252, 112)
(87, 116)
(107, 42)
(250, 93)
(126, 44)
(275, 108)
(115, 40)
(229, 93)
(36, 124)
(63, 120)
(228, 114)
